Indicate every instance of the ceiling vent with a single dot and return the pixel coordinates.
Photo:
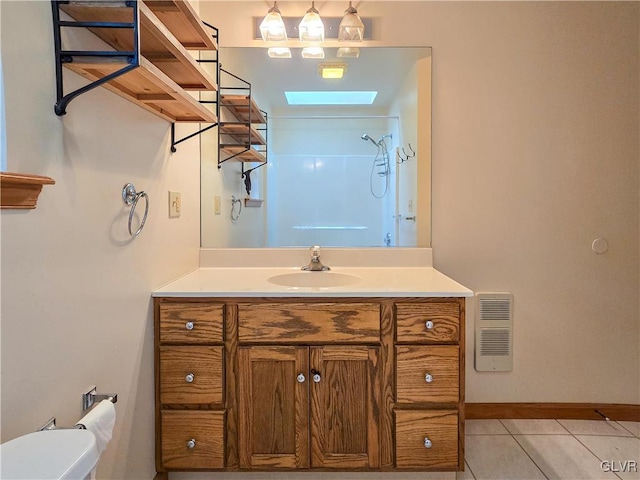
(494, 332)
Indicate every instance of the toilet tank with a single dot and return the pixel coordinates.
(69, 454)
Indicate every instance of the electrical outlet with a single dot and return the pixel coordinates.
(216, 204)
(175, 206)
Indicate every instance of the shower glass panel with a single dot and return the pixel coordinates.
(325, 185)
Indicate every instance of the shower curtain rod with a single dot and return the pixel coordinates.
(330, 117)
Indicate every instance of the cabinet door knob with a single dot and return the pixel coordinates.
(316, 376)
(301, 378)
(428, 378)
(191, 444)
(427, 443)
(429, 324)
(189, 326)
(190, 378)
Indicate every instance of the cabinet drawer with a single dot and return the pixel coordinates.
(427, 374)
(191, 375)
(427, 438)
(192, 439)
(191, 323)
(295, 323)
(428, 322)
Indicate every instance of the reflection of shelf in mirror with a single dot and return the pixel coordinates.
(157, 43)
(253, 202)
(149, 88)
(180, 18)
(243, 154)
(242, 133)
(243, 107)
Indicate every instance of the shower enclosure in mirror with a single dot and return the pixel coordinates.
(338, 173)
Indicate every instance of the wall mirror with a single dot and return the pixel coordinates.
(338, 173)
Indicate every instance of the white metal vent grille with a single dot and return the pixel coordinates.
(494, 332)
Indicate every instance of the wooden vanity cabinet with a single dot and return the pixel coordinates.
(310, 383)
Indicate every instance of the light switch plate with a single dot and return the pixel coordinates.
(175, 207)
(216, 204)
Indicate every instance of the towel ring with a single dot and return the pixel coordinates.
(131, 197)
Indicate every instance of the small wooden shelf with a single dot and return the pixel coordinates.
(242, 154)
(242, 133)
(180, 18)
(20, 191)
(243, 107)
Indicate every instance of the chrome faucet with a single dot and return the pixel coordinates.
(315, 265)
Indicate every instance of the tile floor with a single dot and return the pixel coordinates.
(551, 449)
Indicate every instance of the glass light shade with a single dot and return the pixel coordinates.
(312, 52)
(311, 28)
(279, 52)
(351, 27)
(348, 52)
(272, 28)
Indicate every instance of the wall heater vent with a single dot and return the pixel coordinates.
(494, 332)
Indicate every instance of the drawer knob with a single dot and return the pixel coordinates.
(189, 326)
(427, 443)
(316, 376)
(428, 378)
(301, 378)
(191, 444)
(429, 324)
(190, 378)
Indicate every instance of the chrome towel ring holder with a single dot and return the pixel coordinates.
(131, 197)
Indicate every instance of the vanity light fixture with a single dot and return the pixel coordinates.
(332, 70)
(279, 52)
(348, 52)
(272, 28)
(311, 28)
(351, 28)
(312, 52)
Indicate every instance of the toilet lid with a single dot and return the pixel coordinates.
(48, 455)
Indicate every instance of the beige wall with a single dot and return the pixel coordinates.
(76, 307)
(535, 154)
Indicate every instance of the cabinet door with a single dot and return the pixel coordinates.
(274, 407)
(344, 410)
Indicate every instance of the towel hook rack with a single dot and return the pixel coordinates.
(131, 197)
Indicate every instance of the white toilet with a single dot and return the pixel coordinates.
(69, 454)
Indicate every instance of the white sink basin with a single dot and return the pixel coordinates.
(314, 279)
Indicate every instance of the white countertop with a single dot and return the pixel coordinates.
(371, 282)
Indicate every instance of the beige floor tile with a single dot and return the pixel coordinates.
(618, 454)
(633, 427)
(563, 457)
(466, 475)
(534, 427)
(595, 427)
(499, 457)
(484, 427)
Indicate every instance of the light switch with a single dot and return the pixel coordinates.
(174, 204)
(216, 204)
(410, 205)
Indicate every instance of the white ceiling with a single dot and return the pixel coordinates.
(379, 69)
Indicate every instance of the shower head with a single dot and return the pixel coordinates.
(367, 137)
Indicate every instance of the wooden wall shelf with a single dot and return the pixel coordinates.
(241, 106)
(20, 191)
(250, 155)
(180, 18)
(242, 133)
(166, 69)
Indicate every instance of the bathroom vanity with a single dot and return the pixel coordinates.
(253, 375)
